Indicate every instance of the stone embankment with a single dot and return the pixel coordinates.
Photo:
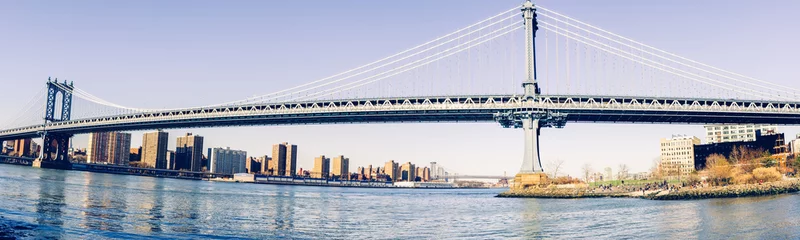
(745, 190)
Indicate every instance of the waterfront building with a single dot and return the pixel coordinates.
(737, 133)
(341, 167)
(109, 147)
(794, 145)
(22, 147)
(426, 174)
(677, 155)
(321, 167)
(170, 163)
(391, 170)
(189, 153)
(368, 172)
(154, 150)
(408, 172)
(227, 161)
(291, 159)
(8, 147)
(136, 154)
(773, 143)
(264, 160)
(277, 166)
(253, 165)
(434, 170)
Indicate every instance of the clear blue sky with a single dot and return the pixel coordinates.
(187, 53)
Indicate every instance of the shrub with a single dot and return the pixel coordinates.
(743, 178)
(719, 169)
(766, 174)
(566, 180)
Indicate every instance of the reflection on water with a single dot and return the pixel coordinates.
(69, 204)
(50, 203)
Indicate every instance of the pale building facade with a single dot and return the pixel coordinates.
(341, 167)
(321, 167)
(227, 161)
(677, 155)
(109, 148)
(154, 150)
(736, 133)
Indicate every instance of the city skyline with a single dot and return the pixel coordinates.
(451, 140)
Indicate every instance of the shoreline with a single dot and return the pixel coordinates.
(730, 191)
(248, 182)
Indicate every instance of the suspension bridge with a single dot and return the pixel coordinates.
(527, 67)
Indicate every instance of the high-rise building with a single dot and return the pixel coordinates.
(277, 166)
(154, 150)
(795, 146)
(391, 170)
(434, 170)
(264, 164)
(170, 163)
(109, 147)
(408, 172)
(291, 159)
(737, 133)
(677, 155)
(189, 153)
(341, 167)
(22, 147)
(321, 167)
(253, 165)
(119, 148)
(426, 174)
(136, 154)
(227, 161)
(368, 172)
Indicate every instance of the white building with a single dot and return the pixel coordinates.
(677, 155)
(795, 145)
(736, 133)
(227, 161)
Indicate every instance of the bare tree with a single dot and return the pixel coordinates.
(656, 172)
(587, 170)
(555, 165)
(622, 173)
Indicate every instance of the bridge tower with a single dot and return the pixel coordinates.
(55, 145)
(530, 119)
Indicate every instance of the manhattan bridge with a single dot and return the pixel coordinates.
(528, 67)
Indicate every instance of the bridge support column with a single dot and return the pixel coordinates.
(531, 163)
(55, 146)
(531, 173)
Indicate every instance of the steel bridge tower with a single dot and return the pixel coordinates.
(55, 146)
(529, 119)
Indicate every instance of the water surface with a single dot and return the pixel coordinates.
(44, 203)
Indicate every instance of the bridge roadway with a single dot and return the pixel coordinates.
(604, 109)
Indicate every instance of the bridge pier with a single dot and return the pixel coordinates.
(531, 173)
(54, 152)
(55, 146)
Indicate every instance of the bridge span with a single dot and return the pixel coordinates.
(679, 91)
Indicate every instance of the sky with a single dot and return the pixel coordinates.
(161, 54)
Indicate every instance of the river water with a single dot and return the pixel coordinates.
(43, 203)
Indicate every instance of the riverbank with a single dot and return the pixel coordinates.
(731, 191)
